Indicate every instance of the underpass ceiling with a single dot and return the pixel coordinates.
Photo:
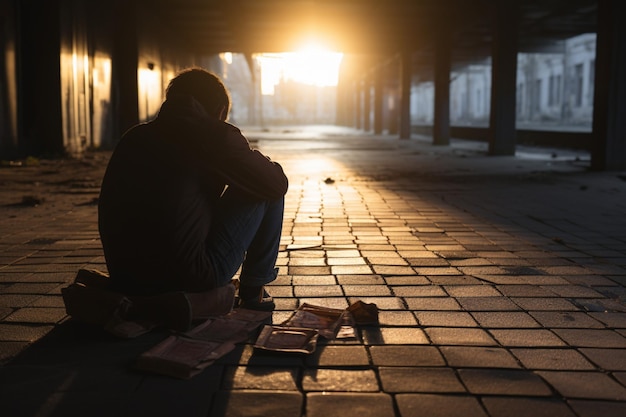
(368, 27)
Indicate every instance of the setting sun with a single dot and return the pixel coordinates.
(311, 64)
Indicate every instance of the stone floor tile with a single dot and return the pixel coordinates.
(437, 271)
(586, 385)
(306, 253)
(17, 300)
(598, 408)
(343, 253)
(366, 290)
(282, 291)
(526, 407)
(439, 405)
(286, 303)
(257, 403)
(487, 304)
(419, 291)
(246, 354)
(558, 319)
(426, 262)
(525, 290)
(368, 279)
(22, 333)
(323, 404)
(427, 380)
(380, 253)
(484, 270)
(393, 270)
(309, 270)
(340, 380)
(557, 359)
(400, 280)
(527, 337)
(417, 254)
(504, 382)
(394, 336)
(459, 336)
(313, 280)
(283, 280)
(406, 356)
(445, 319)
(351, 269)
(449, 280)
(37, 315)
(504, 319)
(260, 378)
(574, 291)
(432, 304)
(396, 318)
(48, 301)
(544, 304)
(478, 357)
(307, 262)
(345, 261)
(326, 356)
(301, 291)
(387, 261)
(331, 302)
(472, 291)
(608, 359)
(383, 303)
(592, 338)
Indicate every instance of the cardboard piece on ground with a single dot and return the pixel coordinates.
(187, 354)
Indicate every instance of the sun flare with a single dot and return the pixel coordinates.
(311, 64)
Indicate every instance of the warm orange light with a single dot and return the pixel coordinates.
(310, 64)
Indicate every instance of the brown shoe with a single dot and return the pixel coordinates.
(94, 305)
(255, 298)
(92, 278)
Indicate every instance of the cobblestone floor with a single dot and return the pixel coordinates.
(500, 283)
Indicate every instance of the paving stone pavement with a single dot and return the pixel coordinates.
(501, 284)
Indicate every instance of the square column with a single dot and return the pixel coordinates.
(502, 134)
(609, 106)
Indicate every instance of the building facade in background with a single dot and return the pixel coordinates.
(554, 90)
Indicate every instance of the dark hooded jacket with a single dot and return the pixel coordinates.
(159, 193)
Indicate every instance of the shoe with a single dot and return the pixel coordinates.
(93, 305)
(255, 298)
(93, 278)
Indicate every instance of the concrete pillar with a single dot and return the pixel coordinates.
(358, 105)
(39, 112)
(125, 65)
(367, 105)
(441, 124)
(406, 65)
(609, 107)
(503, 79)
(379, 92)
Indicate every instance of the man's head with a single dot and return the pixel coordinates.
(205, 87)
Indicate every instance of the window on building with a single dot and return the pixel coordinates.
(578, 85)
(537, 96)
(592, 78)
(551, 90)
(519, 96)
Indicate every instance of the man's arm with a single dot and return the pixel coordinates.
(245, 168)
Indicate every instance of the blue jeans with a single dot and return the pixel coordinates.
(245, 233)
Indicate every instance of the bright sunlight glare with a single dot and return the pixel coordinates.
(312, 65)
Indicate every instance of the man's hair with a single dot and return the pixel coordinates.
(202, 85)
